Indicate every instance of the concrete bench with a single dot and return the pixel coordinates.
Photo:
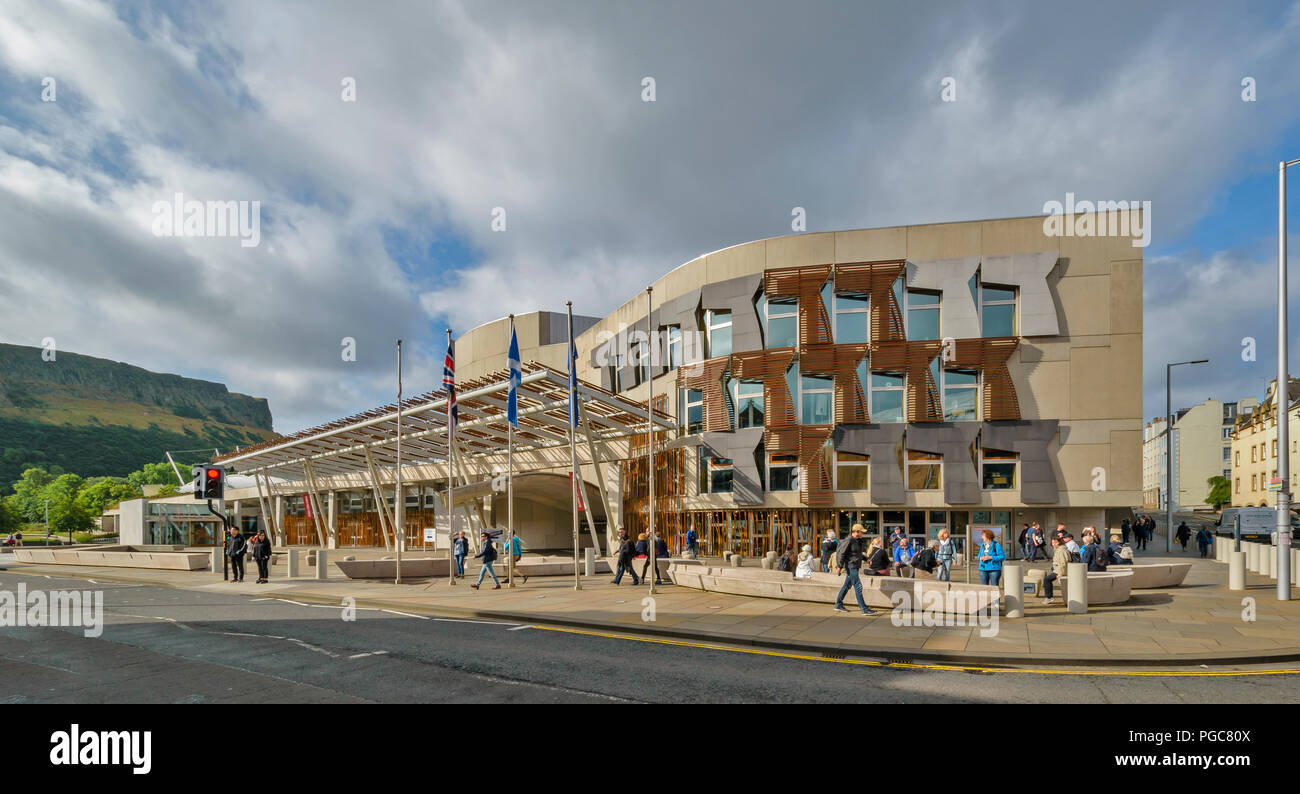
(1109, 587)
(166, 560)
(877, 591)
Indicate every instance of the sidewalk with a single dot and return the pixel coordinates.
(1200, 622)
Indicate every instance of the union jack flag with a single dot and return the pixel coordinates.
(449, 383)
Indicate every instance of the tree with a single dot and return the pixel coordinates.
(66, 513)
(100, 492)
(1220, 491)
(29, 494)
(8, 518)
(153, 474)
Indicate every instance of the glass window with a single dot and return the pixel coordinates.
(923, 470)
(960, 395)
(715, 473)
(922, 315)
(997, 311)
(998, 469)
(782, 472)
(816, 400)
(692, 410)
(886, 397)
(674, 346)
(851, 471)
(781, 316)
(718, 327)
(851, 317)
(748, 399)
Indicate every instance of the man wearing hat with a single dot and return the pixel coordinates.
(850, 557)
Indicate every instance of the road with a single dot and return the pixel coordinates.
(165, 645)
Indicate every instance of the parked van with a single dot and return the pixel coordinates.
(1257, 523)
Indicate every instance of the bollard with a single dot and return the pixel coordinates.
(1220, 548)
(591, 561)
(726, 556)
(322, 564)
(765, 563)
(771, 559)
(1270, 562)
(1076, 587)
(735, 560)
(1251, 550)
(291, 562)
(1013, 591)
(1237, 570)
(216, 559)
(1295, 565)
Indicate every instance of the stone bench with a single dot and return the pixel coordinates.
(877, 591)
(1153, 575)
(426, 567)
(168, 560)
(1109, 587)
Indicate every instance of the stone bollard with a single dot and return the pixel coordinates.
(1270, 562)
(735, 560)
(726, 556)
(1076, 588)
(1220, 547)
(765, 563)
(1013, 591)
(1295, 565)
(1237, 570)
(322, 564)
(217, 559)
(291, 562)
(591, 561)
(1248, 548)
(771, 558)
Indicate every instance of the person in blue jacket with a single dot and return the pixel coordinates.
(459, 551)
(489, 555)
(990, 555)
(903, 558)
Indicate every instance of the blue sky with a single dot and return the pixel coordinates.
(376, 212)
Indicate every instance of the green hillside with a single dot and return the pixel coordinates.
(95, 417)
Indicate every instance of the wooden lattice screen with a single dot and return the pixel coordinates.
(990, 356)
(805, 284)
(877, 279)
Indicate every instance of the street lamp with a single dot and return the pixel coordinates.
(1169, 456)
(1283, 393)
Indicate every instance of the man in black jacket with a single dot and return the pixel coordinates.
(850, 561)
(626, 551)
(235, 547)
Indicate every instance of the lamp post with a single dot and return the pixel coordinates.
(1283, 394)
(1169, 456)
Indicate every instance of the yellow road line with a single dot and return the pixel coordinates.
(917, 666)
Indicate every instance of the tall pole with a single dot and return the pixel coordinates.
(399, 502)
(1169, 465)
(510, 488)
(451, 484)
(573, 446)
(47, 525)
(1283, 390)
(650, 439)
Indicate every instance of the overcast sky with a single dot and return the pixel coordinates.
(377, 213)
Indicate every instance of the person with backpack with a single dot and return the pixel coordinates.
(459, 551)
(926, 560)
(1093, 555)
(626, 552)
(947, 555)
(1203, 540)
(849, 559)
(903, 558)
(692, 543)
(990, 555)
(1183, 534)
(786, 561)
(1024, 542)
(1060, 559)
(515, 548)
(829, 545)
(489, 555)
(1117, 549)
(878, 559)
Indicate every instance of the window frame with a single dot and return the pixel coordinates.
(864, 463)
(792, 304)
(872, 388)
(1015, 470)
(773, 464)
(710, 326)
(936, 462)
(686, 404)
(1013, 302)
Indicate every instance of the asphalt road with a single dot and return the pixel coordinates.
(163, 645)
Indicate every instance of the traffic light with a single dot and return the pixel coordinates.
(209, 482)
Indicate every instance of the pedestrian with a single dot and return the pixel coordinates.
(850, 558)
(488, 552)
(829, 544)
(947, 555)
(1143, 532)
(516, 550)
(1072, 546)
(877, 562)
(990, 557)
(896, 537)
(626, 552)
(661, 556)
(1060, 561)
(1183, 534)
(1024, 542)
(1093, 555)
(235, 548)
(459, 551)
(926, 560)
(1117, 550)
(787, 561)
(903, 558)
(1125, 529)
(804, 568)
(692, 543)
(1040, 543)
(262, 556)
(1203, 540)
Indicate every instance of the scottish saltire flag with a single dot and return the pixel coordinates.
(516, 377)
(573, 377)
(449, 383)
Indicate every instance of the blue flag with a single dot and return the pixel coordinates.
(516, 377)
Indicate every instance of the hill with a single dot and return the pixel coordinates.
(92, 416)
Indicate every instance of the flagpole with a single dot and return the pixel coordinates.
(510, 479)
(650, 436)
(399, 504)
(451, 466)
(573, 445)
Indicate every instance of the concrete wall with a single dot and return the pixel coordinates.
(131, 521)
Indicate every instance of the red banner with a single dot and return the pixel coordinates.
(306, 505)
(581, 506)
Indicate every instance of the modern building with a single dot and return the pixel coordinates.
(1254, 449)
(925, 377)
(1202, 445)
